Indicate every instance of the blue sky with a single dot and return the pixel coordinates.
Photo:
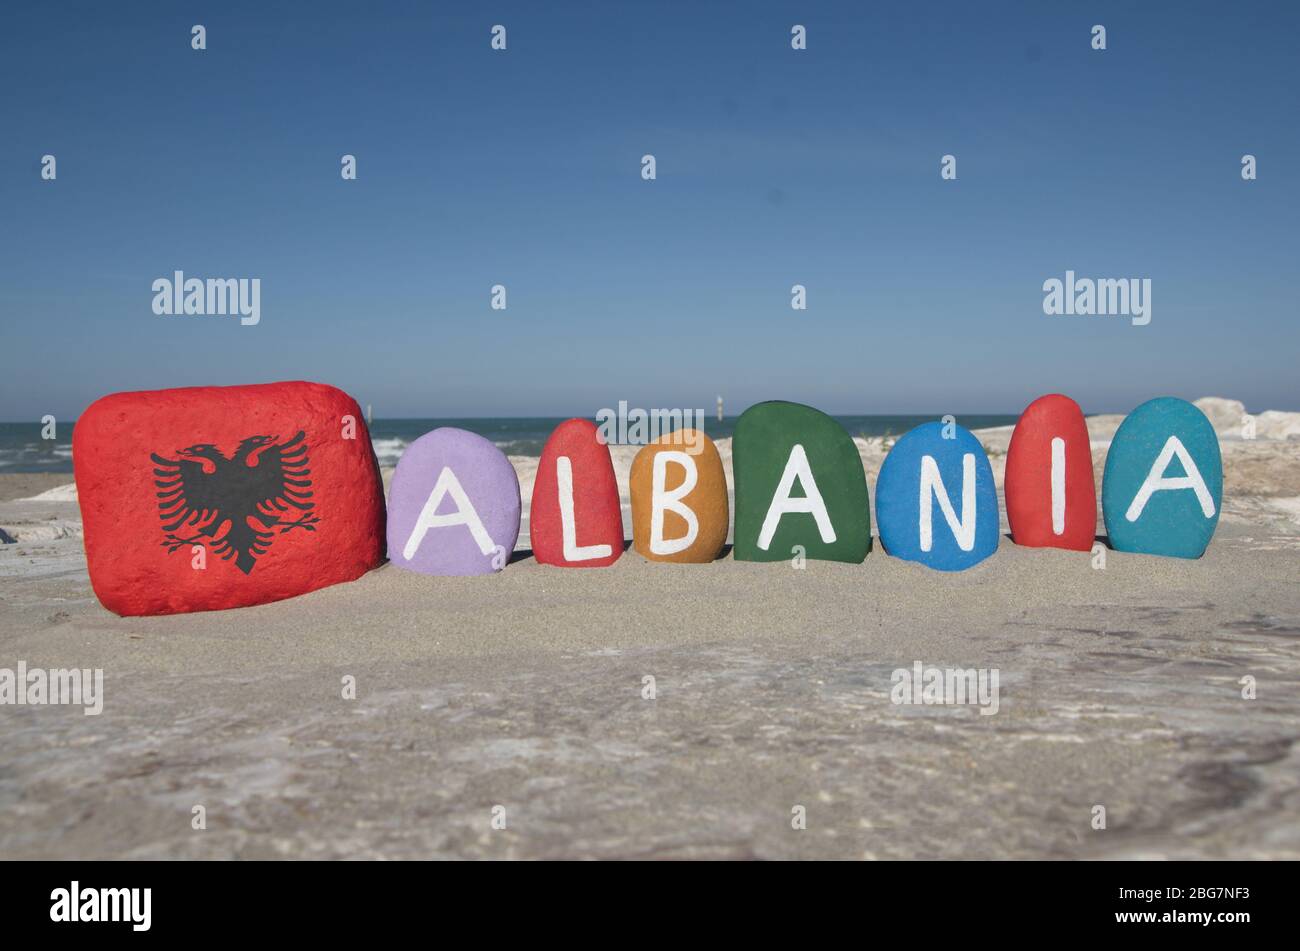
(775, 167)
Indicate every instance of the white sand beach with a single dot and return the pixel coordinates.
(1120, 687)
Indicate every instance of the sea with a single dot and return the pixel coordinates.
(23, 450)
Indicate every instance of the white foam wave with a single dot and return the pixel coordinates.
(388, 450)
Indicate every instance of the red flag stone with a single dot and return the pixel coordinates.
(576, 465)
(1034, 463)
(212, 497)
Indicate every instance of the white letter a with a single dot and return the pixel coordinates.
(1156, 481)
(796, 467)
(465, 514)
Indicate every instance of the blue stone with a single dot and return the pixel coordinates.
(1177, 511)
(973, 503)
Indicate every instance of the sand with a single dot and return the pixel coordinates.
(1119, 687)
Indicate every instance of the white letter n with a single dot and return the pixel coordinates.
(932, 486)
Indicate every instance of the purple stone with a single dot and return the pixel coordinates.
(453, 507)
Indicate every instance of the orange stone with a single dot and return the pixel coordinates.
(679, 499)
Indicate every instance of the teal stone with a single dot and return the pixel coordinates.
(777, 450)
(1163, 486)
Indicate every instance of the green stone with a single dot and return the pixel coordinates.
(772, 442)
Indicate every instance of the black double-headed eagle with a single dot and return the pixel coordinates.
(234, 504)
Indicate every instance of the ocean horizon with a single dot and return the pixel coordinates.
(22, 450)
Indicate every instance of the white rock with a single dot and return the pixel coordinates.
(60, 493)
(1222, 414)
